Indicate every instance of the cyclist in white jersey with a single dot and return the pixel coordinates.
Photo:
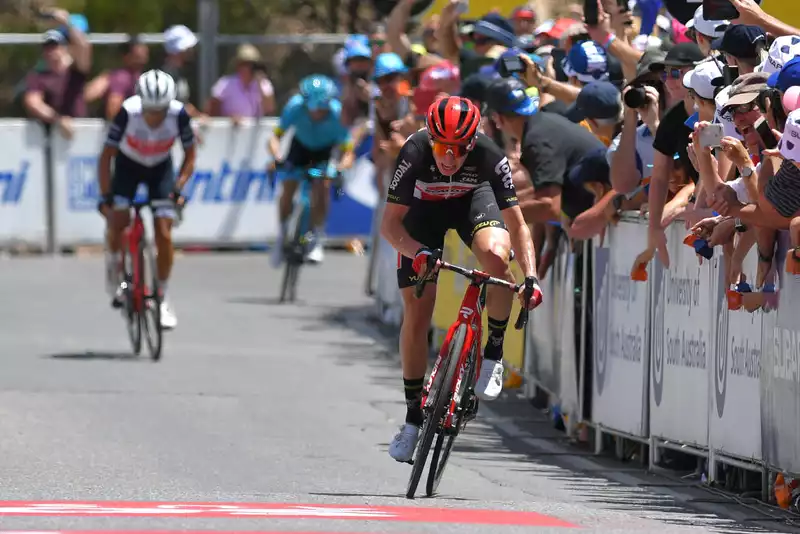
(139, 142)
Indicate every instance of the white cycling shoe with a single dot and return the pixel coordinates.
(490, 381)
(402, 446)
(317, 252)
(168, 318)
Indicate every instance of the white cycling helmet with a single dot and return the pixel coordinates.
(156, 89)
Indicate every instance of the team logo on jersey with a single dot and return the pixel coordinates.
(503, 170)
(398, 174)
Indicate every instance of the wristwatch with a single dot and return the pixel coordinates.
(747, 172)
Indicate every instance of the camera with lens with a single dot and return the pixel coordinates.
(636, 97)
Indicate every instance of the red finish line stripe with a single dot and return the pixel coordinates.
(165, 532)
(278, 511)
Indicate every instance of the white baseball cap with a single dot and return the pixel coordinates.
(701, 79)
(782, 50)
(790, 142)
(709, 28)
(178, 39)
(724, 116)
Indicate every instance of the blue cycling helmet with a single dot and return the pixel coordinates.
(388, 64)
(317, 91)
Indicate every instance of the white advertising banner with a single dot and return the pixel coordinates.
(780, 373)
(230, 197)
(23, 184)
(735, 420)
(681, 341)
(621, 330)
(542, 363)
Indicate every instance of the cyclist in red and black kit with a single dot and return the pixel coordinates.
(450, 176)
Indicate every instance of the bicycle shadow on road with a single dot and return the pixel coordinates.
(90, 355)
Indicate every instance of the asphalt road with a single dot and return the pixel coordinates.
(288, 408)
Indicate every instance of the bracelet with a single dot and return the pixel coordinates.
(611, 39)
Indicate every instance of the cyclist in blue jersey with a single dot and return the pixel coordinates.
(315, 113)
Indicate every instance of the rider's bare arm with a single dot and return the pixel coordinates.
(398, 200)
(186, 134)
(104, 168)
(521, 239)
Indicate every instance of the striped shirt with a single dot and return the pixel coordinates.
(783, 190)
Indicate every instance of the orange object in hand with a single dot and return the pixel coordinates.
(639, 274)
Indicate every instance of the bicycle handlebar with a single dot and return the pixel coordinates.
(435, 264)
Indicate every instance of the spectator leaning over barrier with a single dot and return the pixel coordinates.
(179, 44)
(117, 85)
(546, 145)
(246, 93)
(671, 137)
(55, 95)
(631, 153)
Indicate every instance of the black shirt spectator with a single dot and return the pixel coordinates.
(552, 145)
(672, 137)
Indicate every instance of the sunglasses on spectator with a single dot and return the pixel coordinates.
(377, 42)
(441, 149)
(673, 73)
(742, 109)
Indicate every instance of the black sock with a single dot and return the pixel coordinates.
(413, 389)
(497, 333)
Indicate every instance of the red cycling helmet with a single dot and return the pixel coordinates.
(453, 120)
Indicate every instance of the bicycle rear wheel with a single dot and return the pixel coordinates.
(151, 311)
(436, 407)
(132, 317)
(445, 440)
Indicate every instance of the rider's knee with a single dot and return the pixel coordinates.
(163, 234)
(495, 257)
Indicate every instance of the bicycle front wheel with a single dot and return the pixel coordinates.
(132, 317)
(445, 440)
(436, 407)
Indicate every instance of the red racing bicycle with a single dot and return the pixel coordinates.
(140, 291)
(449, 399)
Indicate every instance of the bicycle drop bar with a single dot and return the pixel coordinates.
(479, 278)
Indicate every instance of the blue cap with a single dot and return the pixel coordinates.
(788, 76)
(587, 61)
(740, 41)
(490, 71)
(358, 38)
(599, 100)
(387, 64)
(356, 49)
(507, 96)
(497, 28)
(592, 167)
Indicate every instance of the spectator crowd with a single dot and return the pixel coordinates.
(671, 112)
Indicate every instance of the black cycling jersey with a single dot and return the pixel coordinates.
(416, 175)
